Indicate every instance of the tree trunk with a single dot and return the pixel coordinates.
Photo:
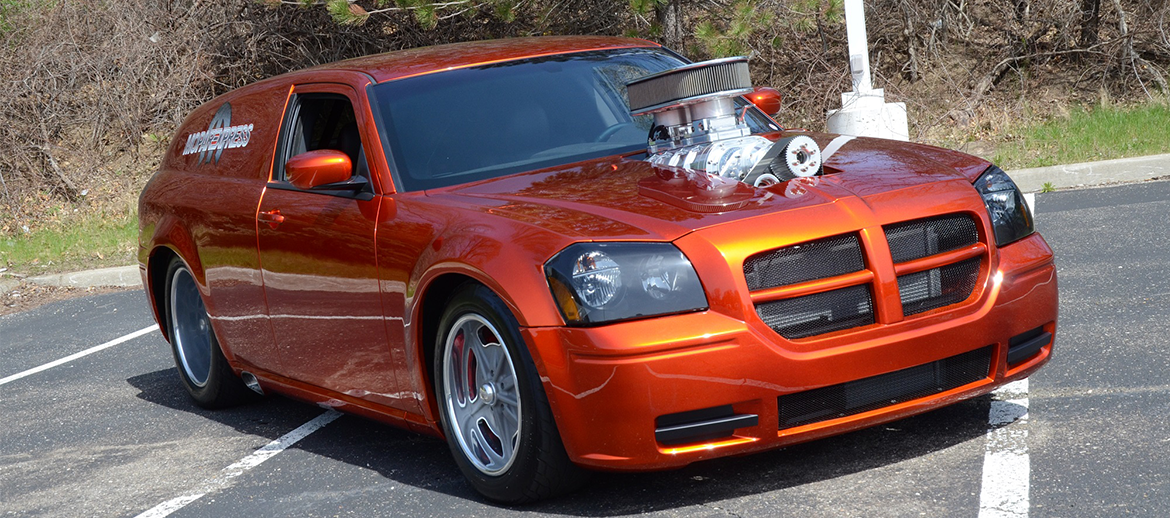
(1090, 20)
(669, 15)
(1134, 59)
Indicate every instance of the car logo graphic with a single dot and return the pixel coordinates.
(220, 135)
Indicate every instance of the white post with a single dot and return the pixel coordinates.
(858, 46)
(864, 111)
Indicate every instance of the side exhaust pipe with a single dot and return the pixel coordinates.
(251, 382)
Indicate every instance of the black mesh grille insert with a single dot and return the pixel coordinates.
(938, 287)
(819, 313)
(867, 394)
(926, 237)
(794, 264)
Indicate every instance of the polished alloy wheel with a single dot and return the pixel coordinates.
(481, 395)
(190, 328)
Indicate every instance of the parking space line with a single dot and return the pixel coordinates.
(1006, 465)
(225, 477)
(81, 354)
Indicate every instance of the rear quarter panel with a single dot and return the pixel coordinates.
(203, 210)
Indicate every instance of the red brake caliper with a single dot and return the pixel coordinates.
(472, 387)
(457, 359)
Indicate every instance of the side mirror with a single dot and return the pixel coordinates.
(767, 99)
(318, 168)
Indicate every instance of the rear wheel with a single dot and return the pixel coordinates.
(493, 408)
(204, 371)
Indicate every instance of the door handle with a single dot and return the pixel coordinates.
(273, 218)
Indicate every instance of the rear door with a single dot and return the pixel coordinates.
(318, 257)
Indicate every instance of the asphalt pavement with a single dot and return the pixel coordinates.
(112, 433)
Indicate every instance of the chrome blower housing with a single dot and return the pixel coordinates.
(697, 127)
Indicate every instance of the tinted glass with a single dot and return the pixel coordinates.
(483, 122)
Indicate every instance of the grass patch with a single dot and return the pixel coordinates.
(1087, 135)
(93, 241)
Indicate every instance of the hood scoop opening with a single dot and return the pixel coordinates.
(698, 129)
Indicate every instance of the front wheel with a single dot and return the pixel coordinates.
(204, 371)
(493, 408)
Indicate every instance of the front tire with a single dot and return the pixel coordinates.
(493, 408)
(203, 369)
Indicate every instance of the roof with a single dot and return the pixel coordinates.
(418, 61)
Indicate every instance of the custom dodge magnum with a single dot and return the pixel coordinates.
(572, 254)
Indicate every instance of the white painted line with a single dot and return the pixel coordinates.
(243, 465)
(1030, 197)
(81, 354)
(1006, 465)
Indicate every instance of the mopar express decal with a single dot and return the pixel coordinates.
(220, 135)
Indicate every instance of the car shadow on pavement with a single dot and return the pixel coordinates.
(425, 462)
(269, 417)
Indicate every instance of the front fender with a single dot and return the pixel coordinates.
(508, 267)
(511, 270)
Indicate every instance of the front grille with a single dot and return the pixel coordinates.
(925, 237)
(805, 262)
(875, 392)
(819, 313)
(846, 297)
(938, 287)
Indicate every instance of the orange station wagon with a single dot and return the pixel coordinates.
(569, 254)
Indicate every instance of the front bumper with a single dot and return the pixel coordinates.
(609, 385)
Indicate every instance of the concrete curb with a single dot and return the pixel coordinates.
(117, 276)
(1029, 180)
(1092, 173)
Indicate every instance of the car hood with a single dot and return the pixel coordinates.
(616, 198)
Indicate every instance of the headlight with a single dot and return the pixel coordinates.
(604, 282)
(1009, 213)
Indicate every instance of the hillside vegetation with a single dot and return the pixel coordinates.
(94, 89)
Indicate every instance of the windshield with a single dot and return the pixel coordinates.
(483, 122)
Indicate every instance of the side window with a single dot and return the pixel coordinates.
(323, 121)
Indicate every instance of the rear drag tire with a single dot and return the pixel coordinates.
(203, 369)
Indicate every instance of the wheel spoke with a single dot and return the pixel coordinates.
(485, 364)
(507, 428)
(507, 399)
(469, 417)
(471, 331)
